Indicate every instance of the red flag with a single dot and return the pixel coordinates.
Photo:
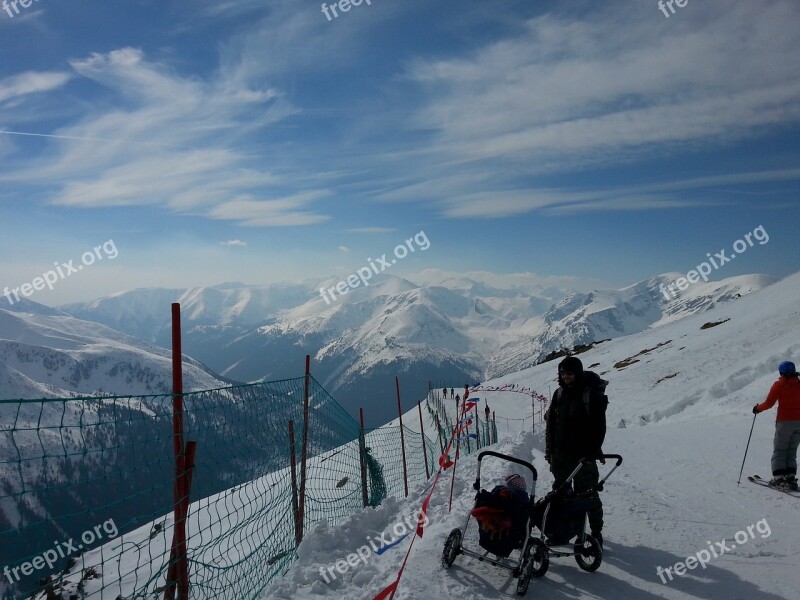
(422, 513)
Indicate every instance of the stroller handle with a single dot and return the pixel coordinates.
(604, 457)
(506, 457)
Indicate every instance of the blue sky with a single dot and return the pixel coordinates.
(257, 141)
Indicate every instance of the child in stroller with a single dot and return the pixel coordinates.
(502, 516)
(504, 525)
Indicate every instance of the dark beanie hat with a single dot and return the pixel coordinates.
(571, 364)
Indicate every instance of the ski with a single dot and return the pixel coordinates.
(762, 482)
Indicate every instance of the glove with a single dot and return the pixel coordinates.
(601, 459)
(755, 410)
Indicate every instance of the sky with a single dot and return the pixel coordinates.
(195, 142)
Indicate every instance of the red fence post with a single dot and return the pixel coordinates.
(402, 436)
(304, 452)
(293, 462)
(183, 565)
(178, 572)
(424, 448)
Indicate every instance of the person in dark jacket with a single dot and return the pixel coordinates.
(576, 428)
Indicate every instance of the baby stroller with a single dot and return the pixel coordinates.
(514, 532)
(560, 517)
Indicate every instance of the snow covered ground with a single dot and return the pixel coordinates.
(686, 408)
(680, 416)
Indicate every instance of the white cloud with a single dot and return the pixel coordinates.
(231, 243)
(609, 87)
(31, 82)
(281, 212)
(614, 81)
(172, 141)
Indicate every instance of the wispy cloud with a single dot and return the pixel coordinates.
(31, 82)
(198, 133)
(566, 86)
(477, 131)
(234, 243)
(269, 213)
(569, 93)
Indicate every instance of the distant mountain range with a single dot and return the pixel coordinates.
(440, 327)
(598, 315)
(47, 353)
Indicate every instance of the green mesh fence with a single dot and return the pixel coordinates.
(86, 488)
(445, 412)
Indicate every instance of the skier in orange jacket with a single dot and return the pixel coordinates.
(786, 392)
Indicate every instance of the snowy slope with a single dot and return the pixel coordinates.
(600, 315)
(47, 353)
(675, 493)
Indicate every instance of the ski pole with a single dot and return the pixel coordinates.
(745, 450)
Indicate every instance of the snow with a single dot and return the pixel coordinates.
(675, 493)
(480, 322)
(684, 394)
(47, 353)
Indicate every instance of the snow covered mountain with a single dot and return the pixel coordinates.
(141, 312)
(679, 415)
(47, 353)
(438, 329)
(441, 326)
(601, 315)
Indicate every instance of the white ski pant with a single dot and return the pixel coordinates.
(784, 455)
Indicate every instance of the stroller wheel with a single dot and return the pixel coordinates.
(588, 554)
(452, 547)
(527, 572)
(540, 558)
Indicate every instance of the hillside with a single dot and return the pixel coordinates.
(682, 415)
(442, 326)
(47, 353)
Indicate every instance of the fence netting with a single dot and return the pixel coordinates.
(87, 486)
